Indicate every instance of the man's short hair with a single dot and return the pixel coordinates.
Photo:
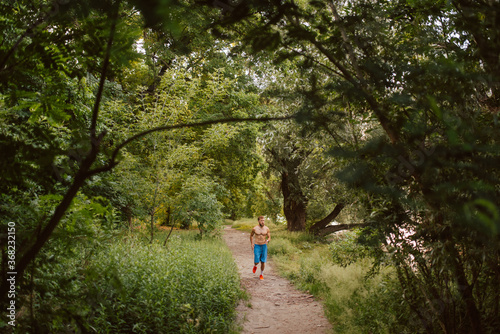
(260, 218)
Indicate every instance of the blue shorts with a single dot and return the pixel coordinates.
(260, 253)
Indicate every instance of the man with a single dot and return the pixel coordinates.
(262, 237)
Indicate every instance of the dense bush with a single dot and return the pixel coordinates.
(346, 250)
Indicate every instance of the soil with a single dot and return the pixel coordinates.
(275, 306)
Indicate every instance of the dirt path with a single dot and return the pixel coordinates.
(276, 306)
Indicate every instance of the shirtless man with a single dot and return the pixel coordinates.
(262, 237)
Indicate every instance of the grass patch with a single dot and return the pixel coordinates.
(281, 246)
(243, 224)
(300, 239)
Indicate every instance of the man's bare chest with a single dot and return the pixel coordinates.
(260, 231)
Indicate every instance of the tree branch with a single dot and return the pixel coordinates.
(355, 79)
(112, 162)
(341, 227)
(95, 111)
(314, 60)
(316, 227)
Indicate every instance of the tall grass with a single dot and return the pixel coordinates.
(131, 286)
(191, 287)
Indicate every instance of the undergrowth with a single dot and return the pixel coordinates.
(131, 286)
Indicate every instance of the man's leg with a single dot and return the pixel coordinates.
(256, 260)
(263, 259)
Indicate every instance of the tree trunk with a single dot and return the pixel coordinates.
(128, 215)
(152, 225)
(294, 202)
(29, 255)
(465, 290)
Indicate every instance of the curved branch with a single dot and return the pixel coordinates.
(335, 228)
(320, 225)
(314, 61)
(112, 162)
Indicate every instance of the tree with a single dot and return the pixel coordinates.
(312, 197)
(225, 153)
(54, 78)
(44, 89)
(298, 151)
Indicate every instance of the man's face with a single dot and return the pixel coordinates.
(261, 221)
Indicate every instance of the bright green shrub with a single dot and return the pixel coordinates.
(197, 203)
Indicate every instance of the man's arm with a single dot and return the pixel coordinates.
(268, 235)
(251, 237)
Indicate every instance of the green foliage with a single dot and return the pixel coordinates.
(373, 306)
(200, 174)
(346, 249)
(266, 199)
(398, 100)
(53, 59)
(53, 281)
(295, 154)
(128, 286)
(197, 203)
(419, 83)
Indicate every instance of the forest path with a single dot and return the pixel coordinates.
(276, 306)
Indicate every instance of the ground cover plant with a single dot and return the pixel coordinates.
(132, 286)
